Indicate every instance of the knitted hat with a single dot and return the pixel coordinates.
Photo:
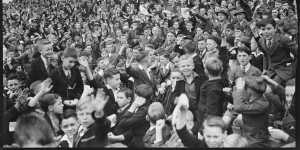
(256, 83)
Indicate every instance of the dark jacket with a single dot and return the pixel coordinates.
(133, 126)
(277, 59)
(212, 99)
(111, 106)
(189, 140)
(140, 76)
(96, 135)
(68, 89)
(255, 117)
(38, 70)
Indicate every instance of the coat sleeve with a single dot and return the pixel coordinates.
(130, 119)
(79, 87)
(189, 140)
(241, 104)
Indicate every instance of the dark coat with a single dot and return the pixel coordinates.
(277, 59)
(111, 106)
(140, 76)
(255, 117)
(68, 89)
(38, 70)
(189, 140)
(96, 135)
(212, 100)
(133, 126)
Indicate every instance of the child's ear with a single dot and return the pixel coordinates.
(50, 108)
(147, 118)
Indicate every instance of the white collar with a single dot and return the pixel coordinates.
(65, 138)
(44, 60)
(247, 67)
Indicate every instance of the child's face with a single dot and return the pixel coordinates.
(213, 136)
(243, 58)
(268, 31)
(13, 85)
(210, 45)
(175, 76)
(201, 45)
(114, 81)
(186, 67)
(121, 99)
(85, 117)
(289, 93)
(69, 126)
(68, 62)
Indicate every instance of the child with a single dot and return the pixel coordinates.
(277, 49)
(69, 126)
(212, 99)
(245, 68)
(14, 87)
(249, 101)
(52, 106)
(156, 116)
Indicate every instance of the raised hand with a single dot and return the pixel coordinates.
(100, 100)
(46, 86)
(84, 62)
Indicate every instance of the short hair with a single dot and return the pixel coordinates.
(70, 52)
(266, 21)
(127, 92)
(48, 100)
(144, 90)
(216, 39)
(215, 121)
(156, 112)
(32, 127)
(69, 113)
(214, 66)
(244, 49)
(230, 40)
(13, 76)
(110, 72)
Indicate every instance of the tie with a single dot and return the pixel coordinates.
(268, 43)
(68, 74)
(244, 69)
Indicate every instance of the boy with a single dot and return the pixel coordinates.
(69, 125)
(190, 84)
(249, 101)
(132, 126)
(156, 116)
(277, 49)
(94, 127)
(245, 68)
(67, 81)
(14, 87)
(212, 98)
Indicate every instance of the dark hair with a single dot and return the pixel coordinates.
(216, 39)
(110, 72)
(264, 22)
(32, 127)
(144, 90)
(127, 92)
(244, 49)
(230, 40)
(47, 100)
(13, 76)
(68, 113)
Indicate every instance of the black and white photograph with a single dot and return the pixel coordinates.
(149, 73)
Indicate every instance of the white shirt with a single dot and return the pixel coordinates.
(67, 72)
(146, 70)
(247, 67)
(45, 62)
(65, 138)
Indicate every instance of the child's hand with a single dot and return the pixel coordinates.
(278, 134)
